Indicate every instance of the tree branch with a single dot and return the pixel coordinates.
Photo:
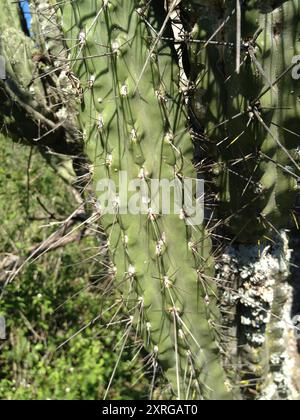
(11, 265)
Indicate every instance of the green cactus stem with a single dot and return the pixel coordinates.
(133, 120)
(247, 122)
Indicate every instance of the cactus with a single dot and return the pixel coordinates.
(246, 119)
(251, 128)
(176, 91)
(133, 120)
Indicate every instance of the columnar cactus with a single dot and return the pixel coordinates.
(247, 120)
(133, 120)
(250, 127)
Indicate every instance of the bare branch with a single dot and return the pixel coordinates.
(12, 265)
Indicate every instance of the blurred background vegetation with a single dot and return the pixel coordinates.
(55, 297)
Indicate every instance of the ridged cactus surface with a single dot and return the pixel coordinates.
(250, 118)
(133, 119)
(246, 115)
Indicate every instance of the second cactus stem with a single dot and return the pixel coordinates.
(244, 107)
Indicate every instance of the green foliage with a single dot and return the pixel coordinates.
(30, 365)
(53, 299)
(23, 180)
